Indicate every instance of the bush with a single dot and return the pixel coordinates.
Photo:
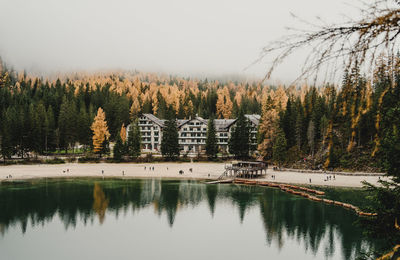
(54, 161)
(88, 160)
(71, 159)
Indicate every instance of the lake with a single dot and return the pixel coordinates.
(169, 219)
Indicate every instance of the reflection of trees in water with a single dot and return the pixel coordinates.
(168, 200)
(310, 223)
(211, 194)
(100, 202)
(283, 215)
(244, 197)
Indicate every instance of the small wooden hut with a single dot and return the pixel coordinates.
(246, 169)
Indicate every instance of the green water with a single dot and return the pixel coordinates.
(169, 219)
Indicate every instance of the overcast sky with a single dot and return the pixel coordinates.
(174, 36)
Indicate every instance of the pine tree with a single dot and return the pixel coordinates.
(211, 140)
(83, 130)
(31, 141)
(118, 150)
(51, 130)
(41, 125)
(311, 136)
(6, 143)
(279, 148)
(100, 132)
(169, 142)
(67, 123)
(239, 143)
(287, 121)
(299, 129)
(133, 141)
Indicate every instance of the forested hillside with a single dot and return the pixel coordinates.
(346, 126)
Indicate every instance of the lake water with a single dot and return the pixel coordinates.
(169, 219)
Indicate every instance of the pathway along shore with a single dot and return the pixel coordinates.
(200, 170)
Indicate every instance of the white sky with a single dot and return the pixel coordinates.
(174, 36)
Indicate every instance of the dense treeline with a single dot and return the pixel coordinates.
(348, 127)
(39, 116)
(331, 127)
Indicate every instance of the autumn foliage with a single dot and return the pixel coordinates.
(100, 131)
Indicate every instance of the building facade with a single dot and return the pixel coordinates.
(192, 133)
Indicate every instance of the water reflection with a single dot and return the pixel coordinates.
(284, 217)
(100, 202)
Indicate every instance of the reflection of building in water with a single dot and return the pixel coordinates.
(151, 191)
(190, 193)
(100, 202)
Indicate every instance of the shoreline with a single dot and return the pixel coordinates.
(170, 170)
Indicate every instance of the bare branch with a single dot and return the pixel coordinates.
(356, 42)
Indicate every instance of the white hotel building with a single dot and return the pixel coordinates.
(192, 133)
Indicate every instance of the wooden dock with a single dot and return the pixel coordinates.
(245, 169)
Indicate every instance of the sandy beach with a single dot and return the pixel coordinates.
(170, 170)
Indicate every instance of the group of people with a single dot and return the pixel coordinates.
(151, 168)
(66, 171)
(329, 178)
(9, 176)
(273, 176)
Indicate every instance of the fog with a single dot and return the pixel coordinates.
(207, 37)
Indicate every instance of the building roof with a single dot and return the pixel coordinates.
(254, 118)
(223, 124)
(220, 124)
(181, 122)
(155, 119)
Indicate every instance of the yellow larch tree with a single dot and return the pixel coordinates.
(268, 127)
(224, 104)
(238, 96)
(100, 130)
(122, 133)
(135, 109)
(280, 98)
